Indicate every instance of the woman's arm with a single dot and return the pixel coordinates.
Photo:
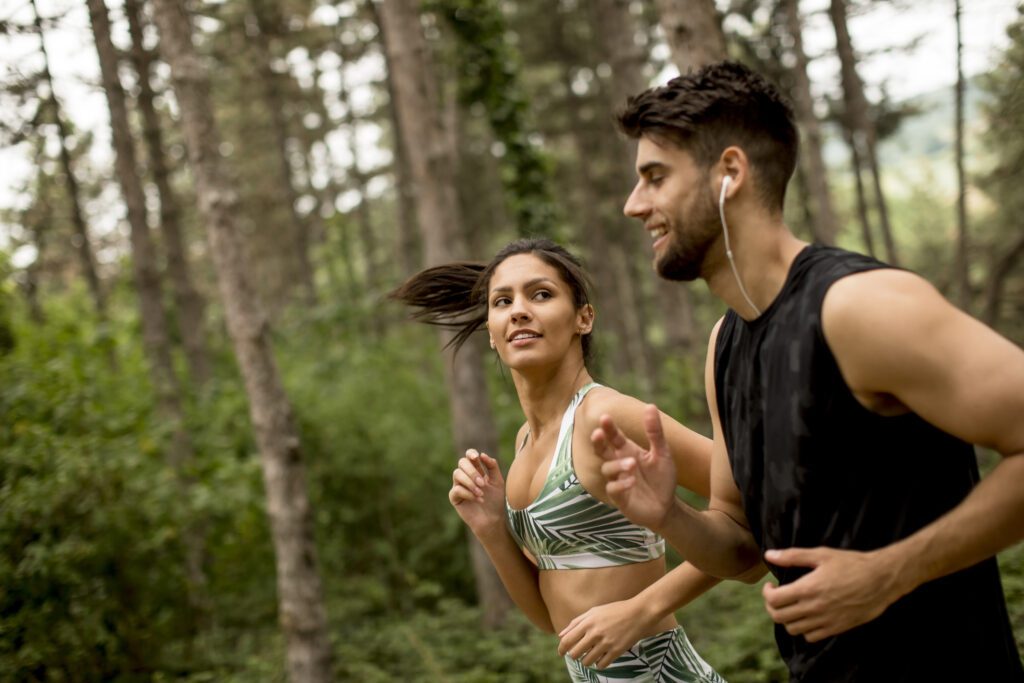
(691, 452)
(478, 495)
(601, 634)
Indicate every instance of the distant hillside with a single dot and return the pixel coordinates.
(921, 150)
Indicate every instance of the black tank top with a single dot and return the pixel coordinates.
(815, 467)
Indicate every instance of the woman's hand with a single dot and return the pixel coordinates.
(598, 636)
(478, 492)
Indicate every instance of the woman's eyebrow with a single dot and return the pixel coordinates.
(535, 281)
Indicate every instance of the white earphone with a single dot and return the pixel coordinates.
(728, 249)
(726, 181)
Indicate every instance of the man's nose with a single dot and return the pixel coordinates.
(636, 205)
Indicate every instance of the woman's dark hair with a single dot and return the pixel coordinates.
(454, 295)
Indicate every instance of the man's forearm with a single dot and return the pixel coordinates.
(988, 520)
(710, 540)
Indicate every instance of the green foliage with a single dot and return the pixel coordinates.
(489, 68)
(446, 645)
(87, 516)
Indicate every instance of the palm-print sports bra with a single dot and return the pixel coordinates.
(567, 528)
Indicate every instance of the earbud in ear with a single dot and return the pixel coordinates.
(726, 181)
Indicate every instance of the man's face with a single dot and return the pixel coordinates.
(674, 200)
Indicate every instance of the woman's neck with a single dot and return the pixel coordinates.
(545, 394)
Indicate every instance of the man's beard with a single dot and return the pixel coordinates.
(689, 242)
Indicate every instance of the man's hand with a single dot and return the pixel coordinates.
(642, 484)
(598, 636)
(844, 589)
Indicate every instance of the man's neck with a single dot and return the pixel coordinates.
(763, 252)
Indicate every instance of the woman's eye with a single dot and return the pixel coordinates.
(500, 301)
(542, 294)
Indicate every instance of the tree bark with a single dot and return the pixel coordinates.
(962, 265)
(1001, 269)
(858, 116)
(616, 30)
(155, 336)
(274, 102)
(431, 164)
(189, 303)
(407, 243)
(824, 225)
(357, 181)
(694, 32)
(300, 594)
(858, 180)
(84, 244)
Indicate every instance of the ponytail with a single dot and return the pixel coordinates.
(448, 296)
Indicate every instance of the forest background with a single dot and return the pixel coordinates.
(224, 455)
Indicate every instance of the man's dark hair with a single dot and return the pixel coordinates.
(720, 105)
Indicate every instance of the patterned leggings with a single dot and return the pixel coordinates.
(667, 657)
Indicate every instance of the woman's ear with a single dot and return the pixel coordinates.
(585, 320)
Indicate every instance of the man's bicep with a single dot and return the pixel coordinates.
(893, 334)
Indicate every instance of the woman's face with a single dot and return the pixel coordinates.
(531, 314)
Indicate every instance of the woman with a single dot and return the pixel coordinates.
(569, 560)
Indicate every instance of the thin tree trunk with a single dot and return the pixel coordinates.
(301, 608)
(357, 181)
(1001, 269)
(859, 118)
(84, 244)
(824, 225)
(407, 243)
(862, 202)
(432, 162)
(189, 303)
(616, 30)
(37, 227)
(615, 302)
(962, 267)
(694, 32)
(155, 336)
(275, 105)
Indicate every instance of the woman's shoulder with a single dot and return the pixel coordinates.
(604, 400)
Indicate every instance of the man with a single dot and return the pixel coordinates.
(844, 397)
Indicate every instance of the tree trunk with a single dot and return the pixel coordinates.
(431, 164)
(962, 266)
(693, 31)
(300, 594)
(357, 181)
(616, 30)
(275, 105)
(858, 180)
(84, 245)
(1001, 269)
(824, 225)
(188, 302)
(862, 128)
(155, 337)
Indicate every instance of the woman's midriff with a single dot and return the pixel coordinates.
(571, 592)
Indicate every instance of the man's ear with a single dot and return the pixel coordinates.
(734, 164)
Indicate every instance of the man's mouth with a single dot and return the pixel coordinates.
(657, 232)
